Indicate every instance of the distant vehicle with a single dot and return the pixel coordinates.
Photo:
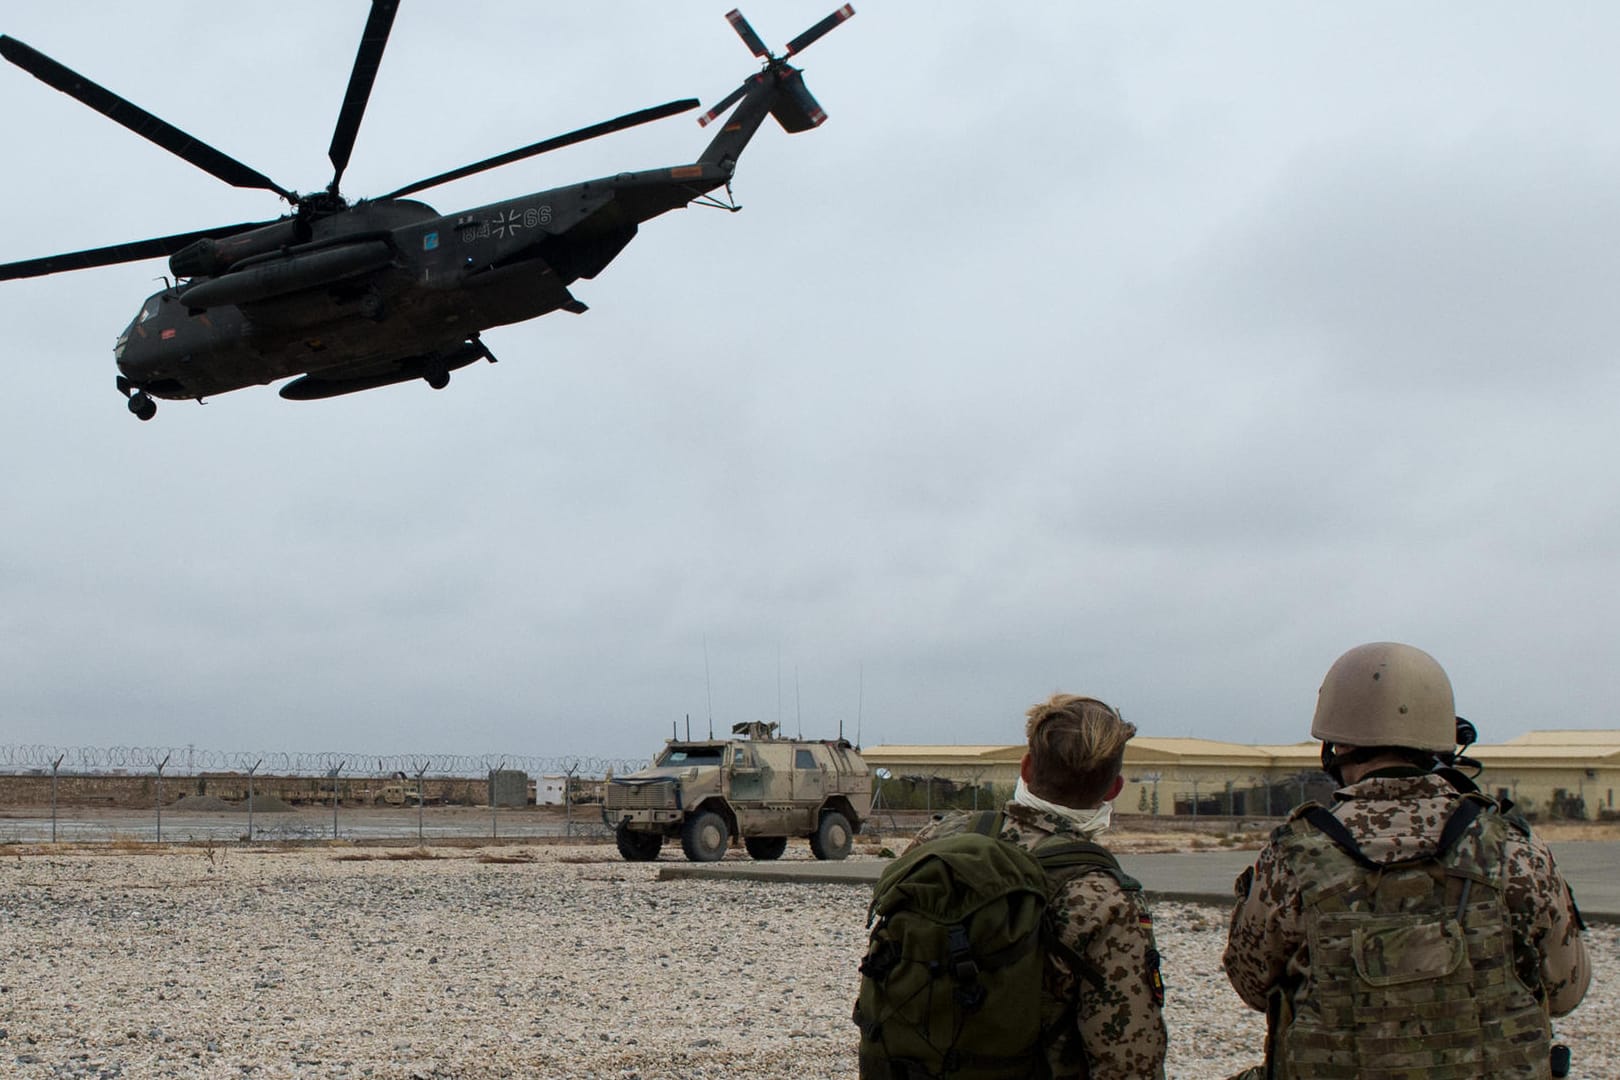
(754, 785)
(400, 794)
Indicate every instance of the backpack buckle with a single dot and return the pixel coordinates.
(969, 994)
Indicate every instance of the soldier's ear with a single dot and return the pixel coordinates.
(1023, 769)
(1114, 789)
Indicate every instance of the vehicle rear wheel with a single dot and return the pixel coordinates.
(833, 838)
(765, 848)
(637, 846)
(704, 836)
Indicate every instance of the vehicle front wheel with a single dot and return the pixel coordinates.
(637, 846)
(704, 836)
(833, 838)
(765, 848)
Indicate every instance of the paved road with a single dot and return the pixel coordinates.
(1194, 877)
(1199, 877)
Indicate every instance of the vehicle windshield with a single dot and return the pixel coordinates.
(690, 755)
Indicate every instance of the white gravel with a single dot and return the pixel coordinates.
(311, 963)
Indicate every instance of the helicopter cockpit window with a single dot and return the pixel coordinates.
(148, 311)
(690, 755)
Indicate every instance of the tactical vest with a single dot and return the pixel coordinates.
(1412, 973)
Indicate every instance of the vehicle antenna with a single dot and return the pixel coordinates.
(798, 707)
(708, 688)
(860, 699)
(688, 727)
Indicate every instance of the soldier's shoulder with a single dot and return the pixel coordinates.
(1097, 898)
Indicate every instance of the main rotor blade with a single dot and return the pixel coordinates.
(725, 103)
(746, 32)
(804, 40)
(366, 60)
(136, 119)
(606, 127)
(119, 253)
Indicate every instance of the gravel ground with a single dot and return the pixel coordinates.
(344, 962)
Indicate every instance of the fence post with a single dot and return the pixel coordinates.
(334, 775)
(419, 800)
(162, 763)
(494, 828)
(251, 771)
(55, 765)
(568, 801)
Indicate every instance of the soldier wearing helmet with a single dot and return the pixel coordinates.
(1415, 927)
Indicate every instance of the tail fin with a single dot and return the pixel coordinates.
(778, 90)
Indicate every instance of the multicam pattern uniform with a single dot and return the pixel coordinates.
(1393, 816)
(1120, 1023)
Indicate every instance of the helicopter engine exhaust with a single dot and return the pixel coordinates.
(211, 256)
(286, 275)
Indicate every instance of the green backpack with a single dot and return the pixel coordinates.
(951, 982)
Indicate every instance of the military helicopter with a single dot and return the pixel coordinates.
(348, 296)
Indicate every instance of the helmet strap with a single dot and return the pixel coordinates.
(1333, 763)
(1330, 764)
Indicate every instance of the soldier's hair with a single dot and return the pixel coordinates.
(1076, 748)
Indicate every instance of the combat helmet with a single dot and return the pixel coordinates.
(1386, 694)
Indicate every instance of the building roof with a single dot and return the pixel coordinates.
(1567, 737)
(1572, 755)
(1570, 749)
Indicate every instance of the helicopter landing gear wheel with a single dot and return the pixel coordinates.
(142, 405)
(438, 378)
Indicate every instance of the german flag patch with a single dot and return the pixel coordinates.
(1155, 979)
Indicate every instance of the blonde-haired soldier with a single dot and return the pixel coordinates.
(1101, 972)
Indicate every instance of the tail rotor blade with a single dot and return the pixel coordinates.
(806, 39)
(746, 32)
(136, 119)
(725, 103)
(364, 73)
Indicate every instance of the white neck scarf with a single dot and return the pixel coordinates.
(1087, 823)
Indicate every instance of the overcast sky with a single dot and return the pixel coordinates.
(1160, 352)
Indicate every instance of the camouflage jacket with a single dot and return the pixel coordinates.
(1392, 817)
(1120, 1024)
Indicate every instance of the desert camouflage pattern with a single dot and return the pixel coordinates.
(1119, 1027)
(1425, 973)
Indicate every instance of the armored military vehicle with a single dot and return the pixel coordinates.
(755, 785)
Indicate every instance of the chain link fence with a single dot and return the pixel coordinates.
(193, 760)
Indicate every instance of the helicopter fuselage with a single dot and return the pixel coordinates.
(388, 290)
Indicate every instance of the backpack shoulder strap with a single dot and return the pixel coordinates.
(1072, 858)
(1322, 820)
(1462, 817)
(988, 823)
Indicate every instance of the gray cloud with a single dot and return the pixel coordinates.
(1155, 352)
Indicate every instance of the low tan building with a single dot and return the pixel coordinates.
(1548, 773)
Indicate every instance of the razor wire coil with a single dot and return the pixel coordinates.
(192, 761)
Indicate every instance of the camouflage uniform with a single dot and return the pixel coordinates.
(1120, 1024)
(1397, 814)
